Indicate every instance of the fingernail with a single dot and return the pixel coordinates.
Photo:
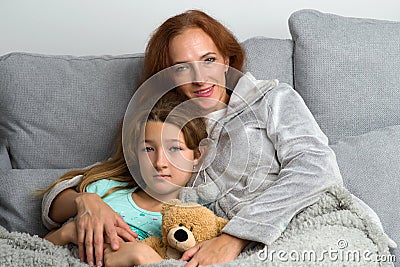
(90, 263)
(99, 264)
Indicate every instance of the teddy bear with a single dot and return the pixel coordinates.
(183, 226)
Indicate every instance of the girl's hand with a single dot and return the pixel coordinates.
(220, 249)
(130, 253)
(96, 220)
(63, 235)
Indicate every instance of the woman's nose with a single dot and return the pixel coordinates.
(198, 75)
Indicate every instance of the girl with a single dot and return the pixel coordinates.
(165, 156)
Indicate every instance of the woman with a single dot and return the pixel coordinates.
(288, 161)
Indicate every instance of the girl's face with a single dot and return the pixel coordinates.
(199, 68)
(165, 162)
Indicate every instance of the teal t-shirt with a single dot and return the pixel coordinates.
(143, 222)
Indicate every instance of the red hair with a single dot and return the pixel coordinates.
(157, 50)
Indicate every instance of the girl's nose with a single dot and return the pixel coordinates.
(161, 160)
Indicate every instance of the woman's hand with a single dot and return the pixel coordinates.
(130, 253)
(220, 249)
(95, 221)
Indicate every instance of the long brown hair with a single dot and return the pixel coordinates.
(157, 50)
(115, 168)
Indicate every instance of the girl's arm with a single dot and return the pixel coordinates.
(63, 235)
(129, 254)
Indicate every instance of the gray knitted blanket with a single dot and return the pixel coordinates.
(335, 231)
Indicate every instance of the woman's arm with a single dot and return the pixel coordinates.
(221, 249)
(308, 167)
(66, 199)
(95, 220)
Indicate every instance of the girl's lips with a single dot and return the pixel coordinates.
(205, 92)
(162, 176)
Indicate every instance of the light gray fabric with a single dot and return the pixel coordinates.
(268, 58)
(271, 161)
(19, 207)
(347, 71)
(5, 163)
(370, 166)
(63, 111)
(334, 223)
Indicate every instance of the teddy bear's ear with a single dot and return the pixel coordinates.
(167, 205)
(220, 222)
(173, 202)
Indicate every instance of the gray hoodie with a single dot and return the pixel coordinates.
(267, 159)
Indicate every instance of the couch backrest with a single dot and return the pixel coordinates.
(63, 111)
(347, 71)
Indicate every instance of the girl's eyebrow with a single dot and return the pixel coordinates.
(174, 140)
(167, 140)
(202, 57)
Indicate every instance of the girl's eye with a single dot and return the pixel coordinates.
(148, 149)
(175, 148)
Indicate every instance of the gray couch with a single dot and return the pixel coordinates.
(61, 112)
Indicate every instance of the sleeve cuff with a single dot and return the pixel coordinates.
(49, 197)
(249, 230)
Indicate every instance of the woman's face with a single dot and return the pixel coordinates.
(165, 162)
(199, 68)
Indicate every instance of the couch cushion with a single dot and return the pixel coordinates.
(20, 209)
(370, 166)
(347, 71)
(268, 58)
(62, 111)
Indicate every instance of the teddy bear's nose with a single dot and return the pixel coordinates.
(180, 235)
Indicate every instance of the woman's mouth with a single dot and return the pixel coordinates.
(205, 92)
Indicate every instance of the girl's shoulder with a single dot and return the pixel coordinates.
(100, 187)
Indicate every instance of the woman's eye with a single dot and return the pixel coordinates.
(210, 60)
(180, 68)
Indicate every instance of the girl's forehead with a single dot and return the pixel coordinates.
(161, 130)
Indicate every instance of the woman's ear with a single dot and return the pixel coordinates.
(226, 63)
(197, 155)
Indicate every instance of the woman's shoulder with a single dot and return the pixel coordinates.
(262, 87)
